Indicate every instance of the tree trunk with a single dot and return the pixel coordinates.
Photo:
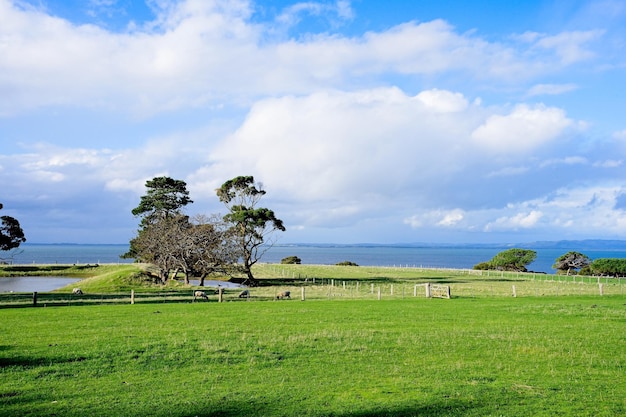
(250, 281)
(202, 277)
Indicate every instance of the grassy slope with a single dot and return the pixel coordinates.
(412, 357)
(326, 281)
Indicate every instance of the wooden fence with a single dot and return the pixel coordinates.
(329, 289)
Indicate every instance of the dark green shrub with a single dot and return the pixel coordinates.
(483, 266)
(346, 263)
(291, 260)
(615, 267)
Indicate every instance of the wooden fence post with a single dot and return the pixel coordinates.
(303, 297)
(132, 296)
(220, 294)
(415, 291)
(35, 299)
(379, 293)
(514, 293)
(601, 289)
(427, 286)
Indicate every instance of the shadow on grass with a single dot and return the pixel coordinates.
(439, 409)
(33, 362)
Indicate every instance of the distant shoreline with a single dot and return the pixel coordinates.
(597, 244)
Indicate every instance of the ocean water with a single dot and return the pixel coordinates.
(430, 257)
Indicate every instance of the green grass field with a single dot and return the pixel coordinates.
(413, 357)
(339, 353)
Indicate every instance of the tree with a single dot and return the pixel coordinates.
(510, 260)
(159, 243)
(211, 247)
(252, 226)
(11, 233)
(164, 199)
(571, 260)
(615, 267)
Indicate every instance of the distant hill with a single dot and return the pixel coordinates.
(578, 245)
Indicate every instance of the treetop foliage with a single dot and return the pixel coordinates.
(514, 259)
(615, 267)
(11, 233)
(164, 197)
(240, 191)
(571, 260)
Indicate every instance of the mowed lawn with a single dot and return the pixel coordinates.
(499, 356)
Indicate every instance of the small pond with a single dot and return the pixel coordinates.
(45, 284)
(217, 283)
(32, 284)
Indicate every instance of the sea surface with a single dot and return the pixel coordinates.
(457, 257)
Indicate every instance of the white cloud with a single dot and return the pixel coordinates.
(550, 89)
(569, 46)
(609, 163)
(436, 218)
(336, 145)
(443, 101)
(520, 220)
(509, 171)
(569, 160)
(198, 53)
(621, 135)
(524, 129)
(292, 14)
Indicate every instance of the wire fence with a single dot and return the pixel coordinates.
(332, 289)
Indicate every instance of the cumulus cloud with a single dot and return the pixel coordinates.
(569, 211)
(525, 128)
(519, 220)
(337, 145)
(198, 53)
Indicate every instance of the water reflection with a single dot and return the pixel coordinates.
(217, 283)
(32, 284)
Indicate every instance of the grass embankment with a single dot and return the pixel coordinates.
(329, 282)
(413, 357)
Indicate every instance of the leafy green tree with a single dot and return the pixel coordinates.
(164, 199)
(510, 260)
(571, 261)
(252, 225)
(614, 267)
(11, 233)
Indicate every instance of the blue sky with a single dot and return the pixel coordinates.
(366, 121)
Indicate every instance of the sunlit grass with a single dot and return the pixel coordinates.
(461, 357)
